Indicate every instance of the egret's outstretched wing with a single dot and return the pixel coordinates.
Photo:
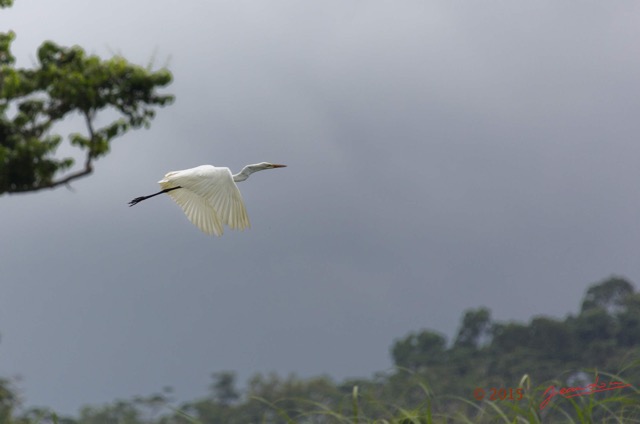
(209, 198)
(198, 210)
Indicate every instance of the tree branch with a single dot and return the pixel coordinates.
(88, 165)
(92, 137)
(66, 180)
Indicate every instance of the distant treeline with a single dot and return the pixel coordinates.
(432, 377)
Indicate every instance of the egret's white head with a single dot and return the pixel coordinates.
(250, 169)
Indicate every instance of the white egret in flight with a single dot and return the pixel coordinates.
(209, 196)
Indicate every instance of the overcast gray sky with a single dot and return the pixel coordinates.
(442, 155)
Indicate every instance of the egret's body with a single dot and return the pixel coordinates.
(209, 196)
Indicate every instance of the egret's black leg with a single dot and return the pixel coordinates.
(141, 198)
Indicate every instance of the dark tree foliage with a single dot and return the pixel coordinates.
(628, 318)
(609, 295)
(606, 331)
(419, 350)
(66, 82)
(475, 328)
(223, 389)
(8, 400)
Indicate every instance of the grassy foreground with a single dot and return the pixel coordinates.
(616, 402)
(597, 398)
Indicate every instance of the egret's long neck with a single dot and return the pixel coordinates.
(244, 174)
